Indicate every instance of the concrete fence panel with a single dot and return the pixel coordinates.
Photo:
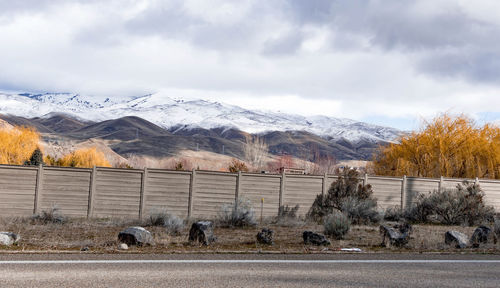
(212, 190)
(449, 183)
(68, 189)
(167, 190)
(492, 193)
(117, 193)
(256, 187)
(302, 190)
(386, 190)
(416, 186)
(17, 190)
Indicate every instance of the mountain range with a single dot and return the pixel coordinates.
(158, 125)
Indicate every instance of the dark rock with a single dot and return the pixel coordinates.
(482, 235)
(398, 236)
(9, 238)
(315, 238)
(135, 236)
(456, 238)
(202, 232)
(266, 236)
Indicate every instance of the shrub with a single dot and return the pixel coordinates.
(179, 166)
(35, 159)
(86, 158)
(52, 215)
(336, 224)
(361, 211)
(496, 227)
(237, 166)
(240, 215)
(288, 212)
(393, 213)
(349, 196)
(461, 206)
(171, 222)
(287, 216)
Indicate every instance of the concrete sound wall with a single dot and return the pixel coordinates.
(133, 193)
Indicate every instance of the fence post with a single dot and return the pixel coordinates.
(476, 182)
(403, 193)
(191, 192)
(238, 189)
(325, 188)
(365, 180)
(38, 188)
(142, 202)
(282, 188)
(441, 183)
(93, 176)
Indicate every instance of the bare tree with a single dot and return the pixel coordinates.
(321, 163)
(256, 151)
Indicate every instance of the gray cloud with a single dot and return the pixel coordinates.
(391, 54)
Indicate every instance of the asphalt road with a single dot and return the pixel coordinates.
(337, 270)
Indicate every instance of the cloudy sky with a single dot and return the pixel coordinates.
(390, 62)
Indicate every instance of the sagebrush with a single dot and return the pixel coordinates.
(288, 216)
(239, 214)
(348, 195)
(361, 211)
(51, 215)
(394, 213)
(336, 224)
(173, 224)
(461, 206)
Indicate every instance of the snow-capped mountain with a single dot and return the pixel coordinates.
(170, 112)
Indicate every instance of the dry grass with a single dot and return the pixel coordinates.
(100, 235)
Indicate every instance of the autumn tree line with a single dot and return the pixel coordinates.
(20, 146)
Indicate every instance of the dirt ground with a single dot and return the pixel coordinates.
(100, 236)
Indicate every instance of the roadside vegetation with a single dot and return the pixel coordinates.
(349, 196)
(463, 205)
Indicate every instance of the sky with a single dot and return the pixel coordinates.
(391, 62)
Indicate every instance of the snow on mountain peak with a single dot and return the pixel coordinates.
(168, 112)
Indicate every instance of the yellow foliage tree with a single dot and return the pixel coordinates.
(448, 146)
(17, 144)
(85, 158)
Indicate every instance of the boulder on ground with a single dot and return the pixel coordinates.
(398, 236)
(456, 238)
(266, 237)
(202, 232)
(315, 238)
(482, 235)
(8, 238)
(123, 246)
(135, 236)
